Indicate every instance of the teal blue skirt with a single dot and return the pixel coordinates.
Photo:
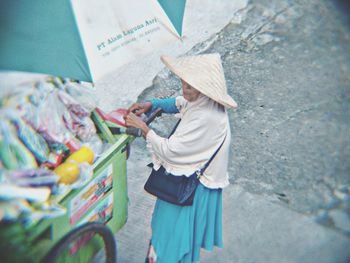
(179, 232)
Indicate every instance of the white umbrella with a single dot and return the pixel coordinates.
(84, 39)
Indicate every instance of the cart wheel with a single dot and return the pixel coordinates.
(73, 238)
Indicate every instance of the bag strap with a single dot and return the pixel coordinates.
(201, 171)
(172, 132)
(177, 124)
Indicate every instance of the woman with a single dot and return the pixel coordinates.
(178, 232)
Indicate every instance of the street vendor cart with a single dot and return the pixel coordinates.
(95, 211)
(102, 199)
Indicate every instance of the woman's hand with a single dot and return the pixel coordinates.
(139, 108)
(131, 120)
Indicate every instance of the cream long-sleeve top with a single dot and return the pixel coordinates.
(204, 126)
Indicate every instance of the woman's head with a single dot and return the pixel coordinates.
(189, 93)
(204, 73)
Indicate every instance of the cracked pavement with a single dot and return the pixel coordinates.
(287, 65)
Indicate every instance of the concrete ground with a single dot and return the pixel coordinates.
(255, 230)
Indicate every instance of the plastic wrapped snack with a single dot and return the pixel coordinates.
(14, 155)
(31, 139)
(33, 178)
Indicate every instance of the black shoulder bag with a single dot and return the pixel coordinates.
(175, 189)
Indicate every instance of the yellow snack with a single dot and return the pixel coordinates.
(84, 154)
(68, 172)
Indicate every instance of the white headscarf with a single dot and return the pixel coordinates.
(203, 127)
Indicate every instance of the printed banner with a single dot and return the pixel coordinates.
(90, 194)
(116, 32)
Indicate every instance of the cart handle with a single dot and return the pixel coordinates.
(138, 132)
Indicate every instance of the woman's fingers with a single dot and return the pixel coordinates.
(134, 107)
(138, 112)
(139, 108)
(128, 120)
(132, 120)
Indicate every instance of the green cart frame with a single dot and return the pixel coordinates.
(103, 200)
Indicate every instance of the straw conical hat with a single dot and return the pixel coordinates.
(204, 73)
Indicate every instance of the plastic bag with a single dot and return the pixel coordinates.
(17, 95)
(86, 173)
(96, 144)
(76, 118)
(82, 92)
(51, 112)
(31, 139)
(33, 178)
(13, 153)
(11, 191)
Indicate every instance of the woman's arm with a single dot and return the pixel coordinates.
(168, 105)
